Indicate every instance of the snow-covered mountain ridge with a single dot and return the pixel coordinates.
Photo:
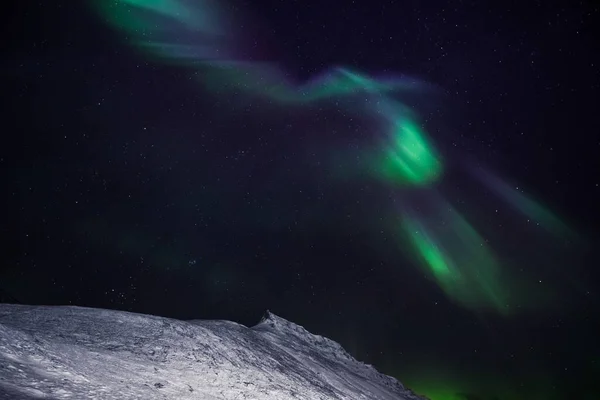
(51, 352)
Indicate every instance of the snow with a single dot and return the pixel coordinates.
(49, 352)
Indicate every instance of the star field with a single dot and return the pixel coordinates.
(138, 184)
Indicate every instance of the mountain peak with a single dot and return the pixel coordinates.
(270, 319)
(277, 324)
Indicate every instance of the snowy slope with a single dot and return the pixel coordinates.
(83, 353)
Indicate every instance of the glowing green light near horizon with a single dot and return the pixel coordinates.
(438, 380)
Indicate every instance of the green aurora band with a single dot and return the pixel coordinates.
(202, 35)
(458, 258)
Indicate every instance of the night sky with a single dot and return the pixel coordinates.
(131, 184)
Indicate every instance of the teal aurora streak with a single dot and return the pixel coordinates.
(202, 35)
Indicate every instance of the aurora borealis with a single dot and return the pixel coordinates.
(357, 165)
(458, 258)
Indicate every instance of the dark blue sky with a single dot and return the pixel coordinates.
(126, 185)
